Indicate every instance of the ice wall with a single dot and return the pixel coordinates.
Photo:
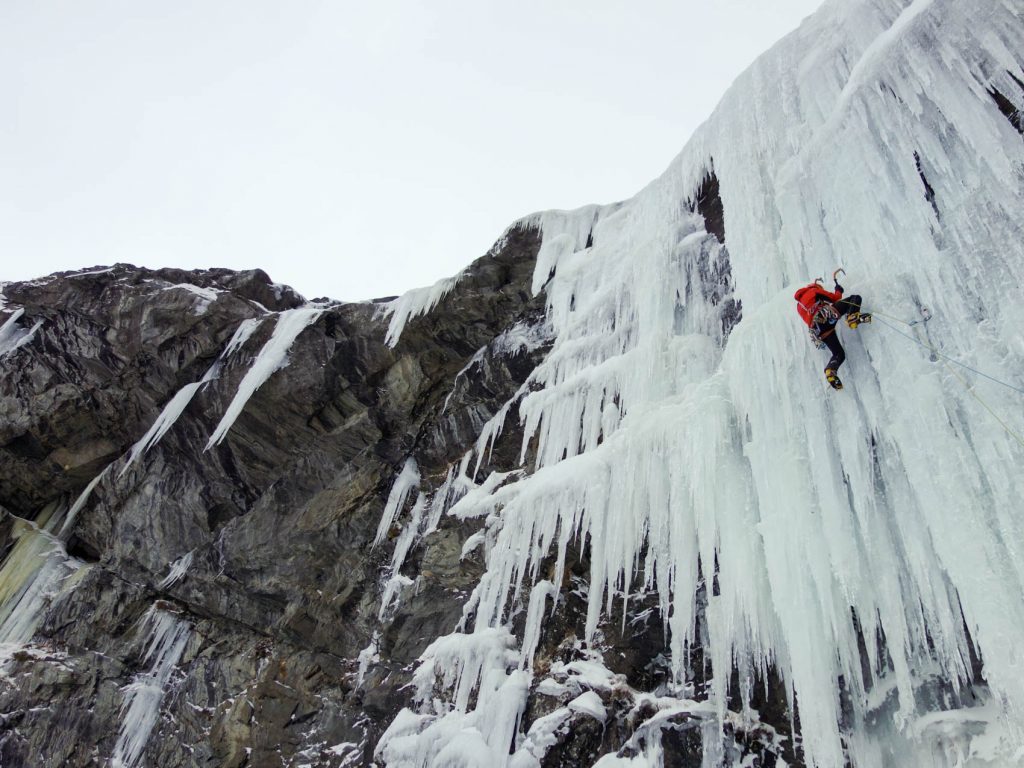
(864, 542)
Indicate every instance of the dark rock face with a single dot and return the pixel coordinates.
(710, 275)
(708, 203)
(282, 591)
(116, 345)
(1010, 110)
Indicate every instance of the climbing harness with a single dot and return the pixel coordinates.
(927, 315)
(824, 312)
(815, 338)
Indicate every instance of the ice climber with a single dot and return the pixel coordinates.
(821, 310)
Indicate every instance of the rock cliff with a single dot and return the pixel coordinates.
(278, 585)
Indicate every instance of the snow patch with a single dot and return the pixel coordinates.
(589, 703)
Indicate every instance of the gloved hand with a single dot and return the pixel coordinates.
(839, 288)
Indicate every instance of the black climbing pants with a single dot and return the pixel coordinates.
(829, 336)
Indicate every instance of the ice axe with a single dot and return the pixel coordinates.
(821, 280)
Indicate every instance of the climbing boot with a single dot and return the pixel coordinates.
(833, 379)
(853, 319)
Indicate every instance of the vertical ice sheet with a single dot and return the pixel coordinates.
(882, 521)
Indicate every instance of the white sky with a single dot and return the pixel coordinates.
(350, 149)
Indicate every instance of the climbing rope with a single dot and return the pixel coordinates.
(925, 319)
(934, 349)
(947, 360)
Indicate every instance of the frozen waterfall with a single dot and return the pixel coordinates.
(864, 544)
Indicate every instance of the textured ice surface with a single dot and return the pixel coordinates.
(870, 536)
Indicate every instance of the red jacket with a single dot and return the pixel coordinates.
(810, 295)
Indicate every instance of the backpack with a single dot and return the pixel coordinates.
(808, 302)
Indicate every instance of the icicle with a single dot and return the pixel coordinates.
(441, 502)
(166, 636)
(414, 303)
(405, 540)
(12, 337)
(177, 404)
(272, 357)
(491, 431)
(242, 334)
(177, 570)
(408, 480)
(477, 357)
(83, 497)
(168, 416)
(539, 595)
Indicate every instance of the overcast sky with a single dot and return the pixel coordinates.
(350, 149)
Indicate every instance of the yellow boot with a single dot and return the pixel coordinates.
(853, 319)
